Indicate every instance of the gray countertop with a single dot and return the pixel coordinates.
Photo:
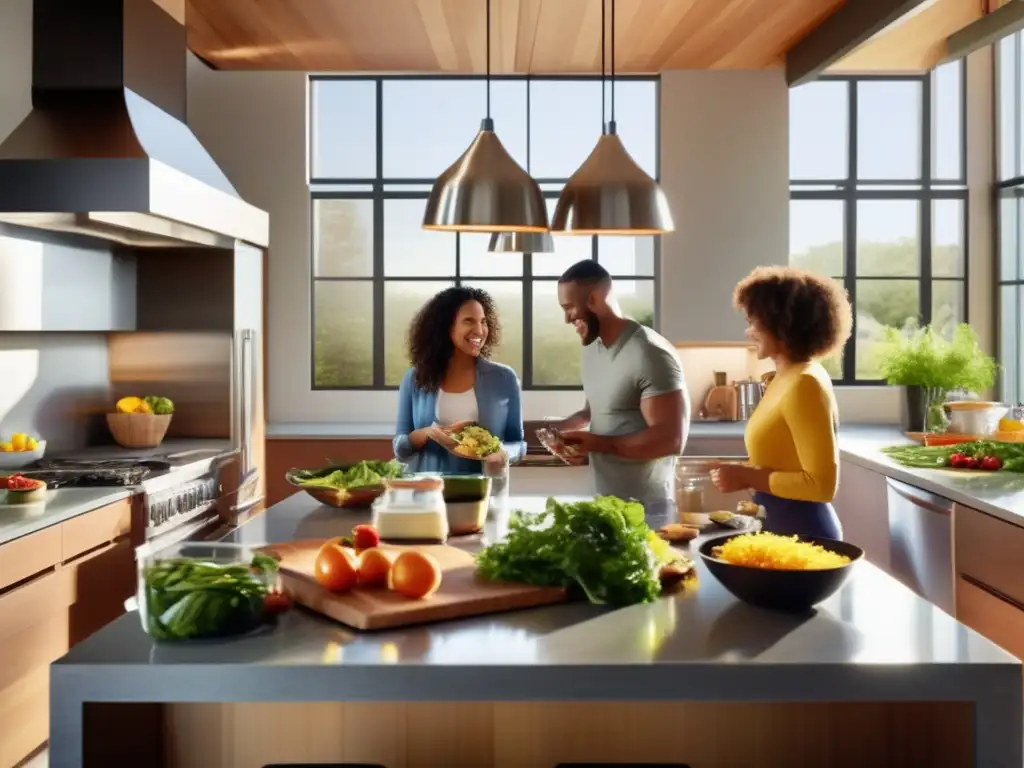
(1000, 494)
(875, 640)
(17, 520)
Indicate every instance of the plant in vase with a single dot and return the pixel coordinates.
(929, 367)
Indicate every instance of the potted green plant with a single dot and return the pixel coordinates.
(929, 367)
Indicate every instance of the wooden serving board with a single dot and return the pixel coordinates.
(461, 594)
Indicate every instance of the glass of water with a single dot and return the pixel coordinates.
(498, 471)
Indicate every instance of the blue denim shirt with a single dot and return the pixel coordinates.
(499, 411)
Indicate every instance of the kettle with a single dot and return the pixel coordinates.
(748, 395)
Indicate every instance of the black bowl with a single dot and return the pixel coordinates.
(781, 590)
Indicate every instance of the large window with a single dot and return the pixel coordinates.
(376, 145)
(878, 202)
(1010, 187)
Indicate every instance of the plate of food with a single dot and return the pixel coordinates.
(471, 441)
(353, 486)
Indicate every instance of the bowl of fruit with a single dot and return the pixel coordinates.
(140, 422)
(18, 489)
(19, 450)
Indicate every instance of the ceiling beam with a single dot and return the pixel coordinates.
(988, 29)
(852, 24)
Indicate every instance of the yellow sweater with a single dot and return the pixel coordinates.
(792, 432)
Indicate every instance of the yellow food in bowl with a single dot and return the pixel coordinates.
(779, 553)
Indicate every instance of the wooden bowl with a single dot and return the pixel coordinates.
(357, 498)
(138, 430)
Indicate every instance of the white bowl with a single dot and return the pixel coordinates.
(21, 459)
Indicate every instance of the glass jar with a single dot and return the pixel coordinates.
(170, 612)
(692, 479)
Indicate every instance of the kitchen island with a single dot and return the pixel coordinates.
(876, 676)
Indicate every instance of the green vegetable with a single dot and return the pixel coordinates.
(159, 405)
(602, 546)
(923, 358)
(189, 599)
(937, 456)
(477, 441)
(365, 474)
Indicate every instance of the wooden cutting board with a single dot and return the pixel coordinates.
(461, 594)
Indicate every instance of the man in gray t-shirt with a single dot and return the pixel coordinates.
(637, 406)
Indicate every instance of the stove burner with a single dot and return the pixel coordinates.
(62, 473)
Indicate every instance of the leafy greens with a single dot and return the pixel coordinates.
(186, 599)
(365, 474)
(602, 546)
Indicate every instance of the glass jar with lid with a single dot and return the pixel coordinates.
(412, 509)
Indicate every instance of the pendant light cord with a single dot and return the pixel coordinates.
(612, 115)
(488, 60)
(604, 43)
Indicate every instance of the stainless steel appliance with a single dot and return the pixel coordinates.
(921, 542)
(748, 395)
(106, 151)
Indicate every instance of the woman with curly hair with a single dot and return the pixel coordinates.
(453, 382)
(795, 318)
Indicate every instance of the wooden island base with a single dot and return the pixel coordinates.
(542, 735)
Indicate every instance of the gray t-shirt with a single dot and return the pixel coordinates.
(639, 364)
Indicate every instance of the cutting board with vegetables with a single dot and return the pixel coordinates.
(460, 594)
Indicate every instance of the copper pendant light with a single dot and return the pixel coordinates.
(485, 190)
(610, 194)
(521, 242)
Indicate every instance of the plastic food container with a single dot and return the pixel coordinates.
(201, 590)
(412, 509)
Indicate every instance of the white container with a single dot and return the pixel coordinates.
(974, 417)
(412, 509)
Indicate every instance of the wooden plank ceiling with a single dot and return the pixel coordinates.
(528, 36)
(917, 41)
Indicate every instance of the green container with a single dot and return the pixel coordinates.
(462, 488)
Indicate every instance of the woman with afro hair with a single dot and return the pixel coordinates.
(453, 382)
(794, 318)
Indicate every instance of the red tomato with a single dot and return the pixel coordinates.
(365, 537)
(970, 463)
(957, 460)
(275, 603)
(991, 463)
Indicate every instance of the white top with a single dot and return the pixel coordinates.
(453, 408)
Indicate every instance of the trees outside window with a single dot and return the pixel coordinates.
(878, 202)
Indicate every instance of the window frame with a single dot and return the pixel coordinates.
(925, 190)
(1012, 187)
(381, 188)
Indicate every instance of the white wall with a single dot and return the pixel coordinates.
(725, 170)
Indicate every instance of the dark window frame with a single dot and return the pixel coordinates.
(1011, 187)
(380, 189)
(925, 189)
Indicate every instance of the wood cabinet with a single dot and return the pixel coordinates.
(57, 587)
(989, 581)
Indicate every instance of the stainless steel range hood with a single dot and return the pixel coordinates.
(106, 151)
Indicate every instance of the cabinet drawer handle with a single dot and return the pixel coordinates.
(992, 591)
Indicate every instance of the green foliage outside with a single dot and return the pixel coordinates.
(889, 298)
(343, 309)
